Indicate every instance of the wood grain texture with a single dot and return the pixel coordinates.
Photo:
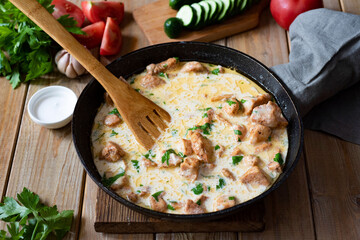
(11, 108)
(288, 209)
(151, 18)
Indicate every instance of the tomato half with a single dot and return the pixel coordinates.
(99, 11)
(93, 35)
(112, 39)
(63, 7)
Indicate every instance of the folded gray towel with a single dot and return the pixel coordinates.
(325, 65)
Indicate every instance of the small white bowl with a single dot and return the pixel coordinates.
(52, 107)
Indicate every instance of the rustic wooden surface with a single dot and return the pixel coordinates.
(153, 24)
(320, 200)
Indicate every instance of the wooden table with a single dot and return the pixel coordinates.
(321, 198)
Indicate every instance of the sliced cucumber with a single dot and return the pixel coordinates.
(214, 10)
(243, 5)
(187, 15)
(232, 9)
(199, 14)
(177, 4)
(227, 6)
(207, 10)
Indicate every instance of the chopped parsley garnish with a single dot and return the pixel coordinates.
(198, 189)
(174, 132)
(149, 155)
(236, 159)
(166, 156)
(230, 102)
(215, 71)
(205, 128)
(209, 188)
(136, 165)
(269, 138)
(170, 207)
(138, 191)
(99, 137)
(279, 159)
(205, 115)
(219, 107)
(165, 65)
(164, 75)
(221, 184)
(141, 185)
(177, 59)
(180, 154)
(156, 195)
(237, 132)
(198, 202)
(114, 111)
(109, 181)
(205, 109)
(132, 80)
(243, 101)
(217, 147)
(137, 89)
(113, 133)
(231, 198)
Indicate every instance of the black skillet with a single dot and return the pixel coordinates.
(135, 62)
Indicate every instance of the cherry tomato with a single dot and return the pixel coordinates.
(93, 35)
(63, 7)
(99, 11)
(285, 11)
(112, 39)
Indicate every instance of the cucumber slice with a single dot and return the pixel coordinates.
(199, 14)
(187, 15)
(225, 11)
(233, 8)
(177, 4)
(249, 4)
(207, 10)
(243, 5)
(214, 10)
(238, 6)
(219, 8)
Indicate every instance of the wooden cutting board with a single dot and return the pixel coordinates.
(151, 18)
(113, 217)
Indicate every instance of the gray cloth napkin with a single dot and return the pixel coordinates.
(323, 73)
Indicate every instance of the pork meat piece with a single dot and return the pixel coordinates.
(251, 160)
(195, 67)
(223, 202)
(154, 69)
(249, 103)
(199, 146)
(239, 132)
(255, 177)
(151, 81)
(268, 115)
(112, 120)
(259, 133)
(231, 107)
(185, 147)
(112, 152)
(158, 205)
(190, 168)
(226, 172)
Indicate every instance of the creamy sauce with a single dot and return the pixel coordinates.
(186, 96)
(54, 107)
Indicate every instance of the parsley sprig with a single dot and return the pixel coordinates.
(28, 218)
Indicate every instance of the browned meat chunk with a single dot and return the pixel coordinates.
(219, 151)
(268, 115)
(221, 69)
(275, 167)
(148, 162)
(112, 120)
(250, 103)
(208, 166)
(145, 190)
(132, 197)
(263, 147)
(237, 151)
(226, 172)
(199, 147)
(231, 107)
(221, 97)
(194, 67)
(190, 168)
(220, 118)
(196, 207)
(255, 176)
(185, 147)
(240, 132)
(159, 204)
(108, 99)
(208, 116)
(259, 133)
(251, 160)
(162, 67)
(177, 205)
(174, 160)
(223, 202)
(112, 152)
(151, 81)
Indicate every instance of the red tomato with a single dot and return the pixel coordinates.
(63, 7)
(285, 11)
(93, 35)
(99, 11)
(112, 40)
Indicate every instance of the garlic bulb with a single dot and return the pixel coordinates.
(68, 65)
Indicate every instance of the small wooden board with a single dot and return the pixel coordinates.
(151, 18)
(113, 217)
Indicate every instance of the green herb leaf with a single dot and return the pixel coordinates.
(205, 109)
(217, 147)
(215, 71)
(114, 111)
(198, 202)
(198, 189)
(221, 184)
(236, 159)
(174, 132)
(149, 155)
(231, 198)
(136, 165)
(279, 159)
(243, 101)
(113, 133)
(156, 195)
(177, 59)
(166, 156)
(170, 207)
(205, 115)
(237, 132)
(109, 181)
(164, 75)
(269, 138)
(230, 102)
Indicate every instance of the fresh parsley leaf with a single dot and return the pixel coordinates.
(113, 133)
(205, 109)
(198, 202)
(165, 65)
(231, 198)
(137, 89)
(156, 195)
(230, 102)
(30, 219)
(243, 101)
(109, 181)
(236, 159)
(136, 165)
(99, 137)
(219, 107)
(166, 156)
(221, 184)
(237, 132)
(198, 189)
(279, 159)
(170, 207)
(164, 75)
(149, 155)
(215, 71)
(114, 111)
(205, 115)
(177, 59)
(217, 147)
(206, 128)
(180, 154)
(269, 138)
(174, 132)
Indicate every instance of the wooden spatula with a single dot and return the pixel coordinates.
(143, 117)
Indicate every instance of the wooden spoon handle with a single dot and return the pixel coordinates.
(54, 29)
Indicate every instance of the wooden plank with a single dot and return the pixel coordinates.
(350, 6)
(196, 236)
(11, 108)
(288, 209)
(151, 18)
